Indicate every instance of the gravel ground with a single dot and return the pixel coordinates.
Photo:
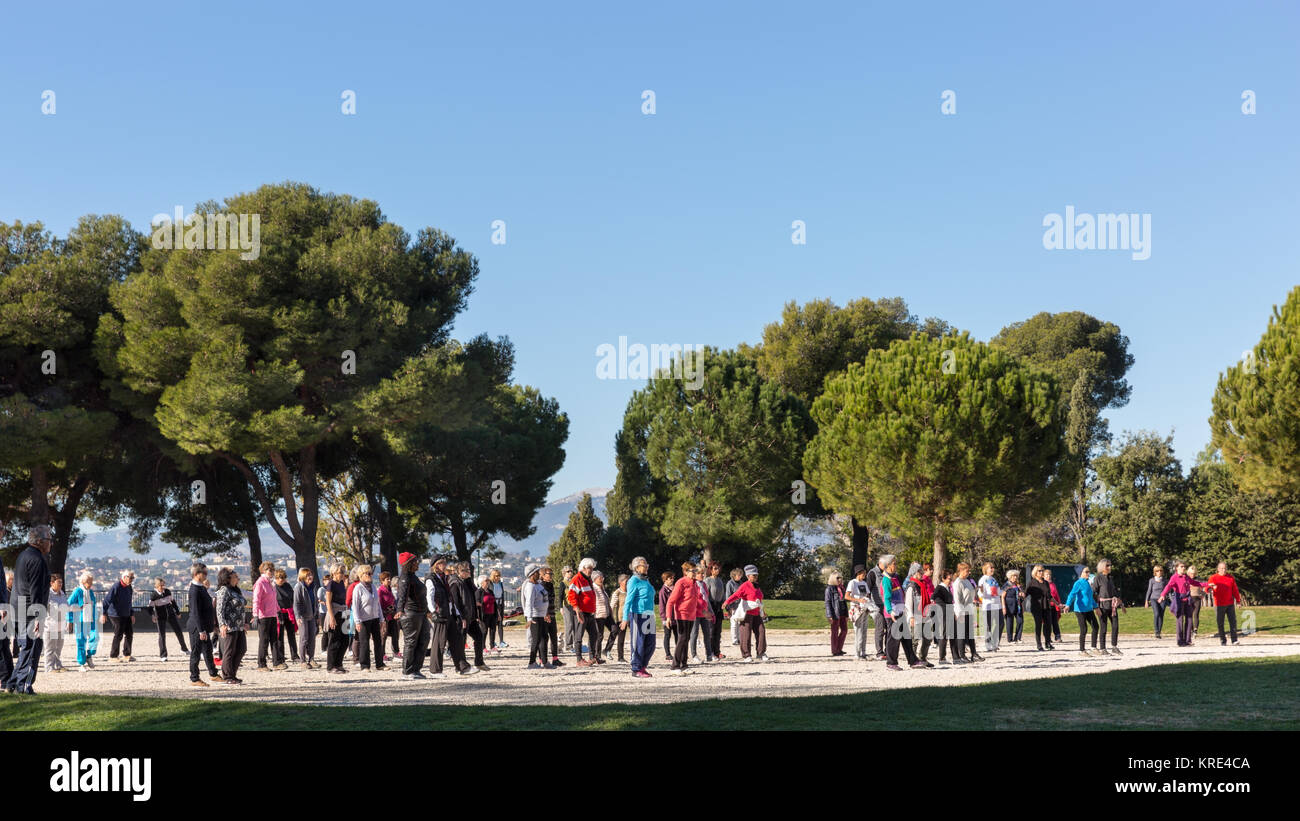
(800, 665)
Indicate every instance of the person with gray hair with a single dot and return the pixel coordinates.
(55, 625)
(581, 596)
(32, 591)
(837, 611)
(875, 607)
(617, 632)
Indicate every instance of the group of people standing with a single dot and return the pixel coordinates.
(913, 612)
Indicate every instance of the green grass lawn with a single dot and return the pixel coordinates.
(1229, 694)
(811, 615)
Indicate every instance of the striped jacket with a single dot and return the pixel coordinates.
(581, 596)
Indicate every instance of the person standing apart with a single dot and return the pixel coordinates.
(639, 616)
(117, 607)
(753, 627)
(56, 625)
(304, 611)
(230, 606)
(1109, 605)
(202, 624)
(1179, 592)
(1226, 595)
(1155, 585)
(683, 602)
(837, 611)
(1083, 604)
(31, 594)
(266, 612)
(165, 613)
(83, 615)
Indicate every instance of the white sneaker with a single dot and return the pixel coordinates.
(747, 660)
(695, 659)
(436, 675)
(765, 658)
(675, 672)
(84, 669)
(503, 644)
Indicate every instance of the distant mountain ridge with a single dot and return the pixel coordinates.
(549, 521)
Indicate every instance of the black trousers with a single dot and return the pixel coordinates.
(1231, 613)
(1087, 620)
(617, 633)
(1056, 623)
(457, 636)
(289, 632)
(717, 632)
(338, 645)
(415, 631)
(553, 634)
(1042, 627)
(233, 647)
(268, 641)
(123, 632)
(174, 623)
(965, 626)
(536, 639)
(370, 632)
(892, 643)
(682, 630)
(201, 648)
(394, 627)
(437, 645)
(1015, 623)
(668, 635)
(1109, 617)
(587, 627)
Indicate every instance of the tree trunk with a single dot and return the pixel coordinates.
(40, 512)
(64, 520)
(459, 540)
(940, 550)
(304, 549)
(861, 536)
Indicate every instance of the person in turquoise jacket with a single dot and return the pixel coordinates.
(639, 616)
(1083, 604)
(84, 618)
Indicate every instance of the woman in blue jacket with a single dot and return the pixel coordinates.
(1083, 604)
(639, 616)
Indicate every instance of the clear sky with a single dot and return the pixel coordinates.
(675, 227)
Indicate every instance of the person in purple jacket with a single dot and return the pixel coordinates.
(661, 601)
(1181, 601)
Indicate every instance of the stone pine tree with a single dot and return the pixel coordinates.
(61, 438)
(582, 533)
(1090, 360)
(1256, 407)
(819, 338)
(339, 326)
(935, 432)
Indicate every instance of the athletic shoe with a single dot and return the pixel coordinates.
(961, 661)
(129, 658)
(1234, 644)
(381, 668)
(503, 644)
(944, 661)
(1085, 654)
(556, 663)
(583, 663)
(436, 675)
(715, 658)
(695, 659)
(483, 667)
(413, 676)
(747, 660)
(468, 671)
(735, 644)
(676, 671)
(1102, 652)
(162, 658)
(764, 657)
(1114, 651)
(892, 667)
(198, 683)
(231, 681)
(84, 668)
(921, 665)
(534, 666)
(262, 669)
(641, 674)
(978, 657)
(926, 663)
(280, 666)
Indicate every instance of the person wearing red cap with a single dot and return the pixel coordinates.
(412, 609)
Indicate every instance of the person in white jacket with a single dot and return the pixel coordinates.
(535, 608)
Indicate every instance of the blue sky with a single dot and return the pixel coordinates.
(675, 227)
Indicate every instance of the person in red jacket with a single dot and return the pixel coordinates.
(683, 607)
(1226, 595)
(582, 598)
(750, 602)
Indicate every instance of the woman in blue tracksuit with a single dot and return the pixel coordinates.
(639, 615)
(1082, 603)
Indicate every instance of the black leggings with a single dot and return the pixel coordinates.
(1042, 627)
(1086, 620)
(1110, 617)
(552, 633)
(394, 627)
(368, 633)
(966, 628)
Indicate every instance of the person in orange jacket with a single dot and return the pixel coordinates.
(581, 596)
(683, 606)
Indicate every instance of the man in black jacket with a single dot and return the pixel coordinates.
(412, 609)
(202, 625)
(464, 621)
(439, 602)
(877, 607)
(32, 592)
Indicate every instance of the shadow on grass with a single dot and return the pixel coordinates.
(1230, 694)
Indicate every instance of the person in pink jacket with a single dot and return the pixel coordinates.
(682, 607)
(266, 612)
